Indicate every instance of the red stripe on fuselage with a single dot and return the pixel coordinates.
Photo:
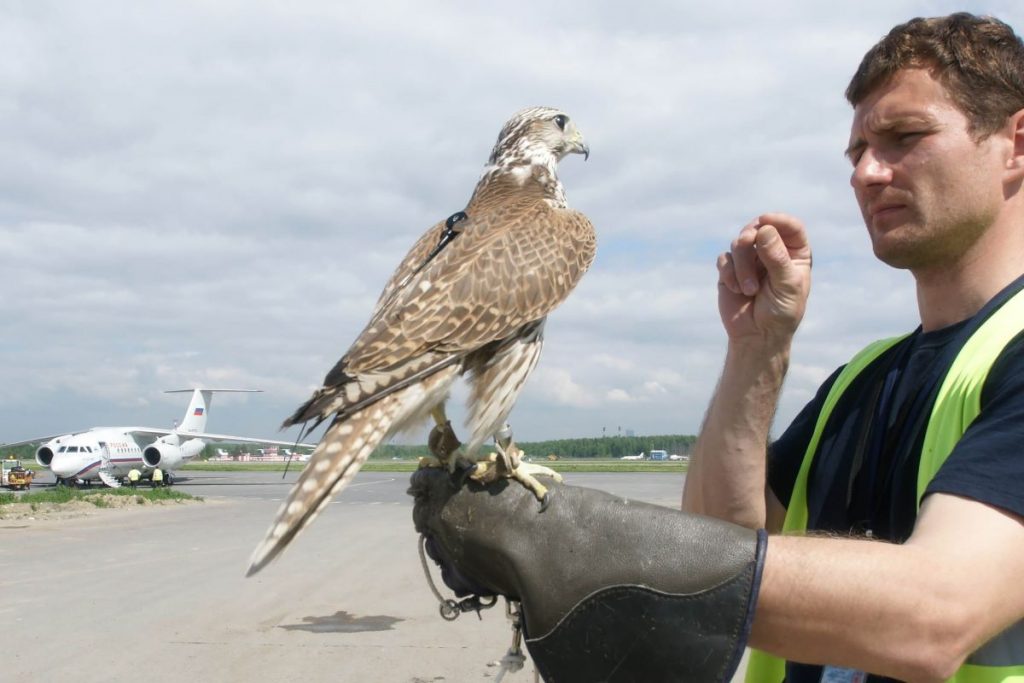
(87, 468)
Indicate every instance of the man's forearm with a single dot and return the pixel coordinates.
(863, 604)
(726, 478)
(912, 611)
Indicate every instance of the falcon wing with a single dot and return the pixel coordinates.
(508, 267)
(416, 257)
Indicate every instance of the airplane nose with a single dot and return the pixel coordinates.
(62, 468)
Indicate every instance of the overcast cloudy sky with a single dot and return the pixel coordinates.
(213, 193)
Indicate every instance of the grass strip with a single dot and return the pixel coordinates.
(64, 494)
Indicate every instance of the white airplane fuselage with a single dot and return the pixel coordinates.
(88, 456)
(109, 454)
(80, 457)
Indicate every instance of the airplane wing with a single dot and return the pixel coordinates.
(206, 436)
(40, 439)
(241, 439)
(156, 431)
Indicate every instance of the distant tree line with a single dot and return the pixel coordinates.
(594, 447)
(24, 452)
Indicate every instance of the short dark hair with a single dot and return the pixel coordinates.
(979, 60)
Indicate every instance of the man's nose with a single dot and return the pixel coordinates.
(869, 170)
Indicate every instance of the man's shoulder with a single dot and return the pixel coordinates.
(1006, 376)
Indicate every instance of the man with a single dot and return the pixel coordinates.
(909, 457)
(937, 147)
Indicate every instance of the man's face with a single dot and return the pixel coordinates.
(926, 188)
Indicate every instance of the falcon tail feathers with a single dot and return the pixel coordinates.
(344, 448)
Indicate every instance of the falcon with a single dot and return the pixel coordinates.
(469, 299)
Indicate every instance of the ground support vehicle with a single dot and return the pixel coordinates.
(14, 476)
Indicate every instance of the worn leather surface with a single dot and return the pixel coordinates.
(634, 634)
(612, 589)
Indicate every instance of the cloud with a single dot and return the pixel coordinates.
(198, 192)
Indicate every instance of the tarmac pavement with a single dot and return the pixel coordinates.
(158, 593)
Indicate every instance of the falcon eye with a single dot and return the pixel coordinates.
(561, 120)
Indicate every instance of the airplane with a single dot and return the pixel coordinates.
(294, 455)
(108, 454)
(632, 457)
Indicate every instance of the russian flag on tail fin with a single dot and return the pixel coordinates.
(194, 421)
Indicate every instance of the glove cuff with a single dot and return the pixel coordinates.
(649, 635)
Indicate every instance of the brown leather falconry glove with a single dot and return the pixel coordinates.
(611, 589)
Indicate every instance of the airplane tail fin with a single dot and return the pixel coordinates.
(194, 421)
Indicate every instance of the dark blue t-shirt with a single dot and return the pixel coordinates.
(865, 475)
(987, 464)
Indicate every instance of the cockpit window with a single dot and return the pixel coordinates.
(72, 449)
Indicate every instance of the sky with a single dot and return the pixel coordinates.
(213, 193)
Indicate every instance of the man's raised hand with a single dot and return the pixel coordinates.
(764, 279)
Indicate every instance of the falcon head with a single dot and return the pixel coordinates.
(538, 136)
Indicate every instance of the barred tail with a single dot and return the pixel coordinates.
(344, 448)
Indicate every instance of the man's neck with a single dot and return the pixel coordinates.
(954, 292)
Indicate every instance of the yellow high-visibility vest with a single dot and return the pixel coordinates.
(957, 404)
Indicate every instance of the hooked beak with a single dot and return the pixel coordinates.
(579, 145)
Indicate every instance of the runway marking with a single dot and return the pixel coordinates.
(371, 483)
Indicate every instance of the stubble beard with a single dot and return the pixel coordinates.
(919, 247)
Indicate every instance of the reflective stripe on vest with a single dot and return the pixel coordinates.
(957, 404)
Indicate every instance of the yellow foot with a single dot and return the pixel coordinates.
(526, 473)
(507, 462)
(429, 461)
(448, 452)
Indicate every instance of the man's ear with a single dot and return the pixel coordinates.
(1015, 128)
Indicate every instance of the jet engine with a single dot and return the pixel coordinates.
(168, 456)
(163, 455)
(44, 454)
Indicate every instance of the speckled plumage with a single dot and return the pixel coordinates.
(477, 308)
